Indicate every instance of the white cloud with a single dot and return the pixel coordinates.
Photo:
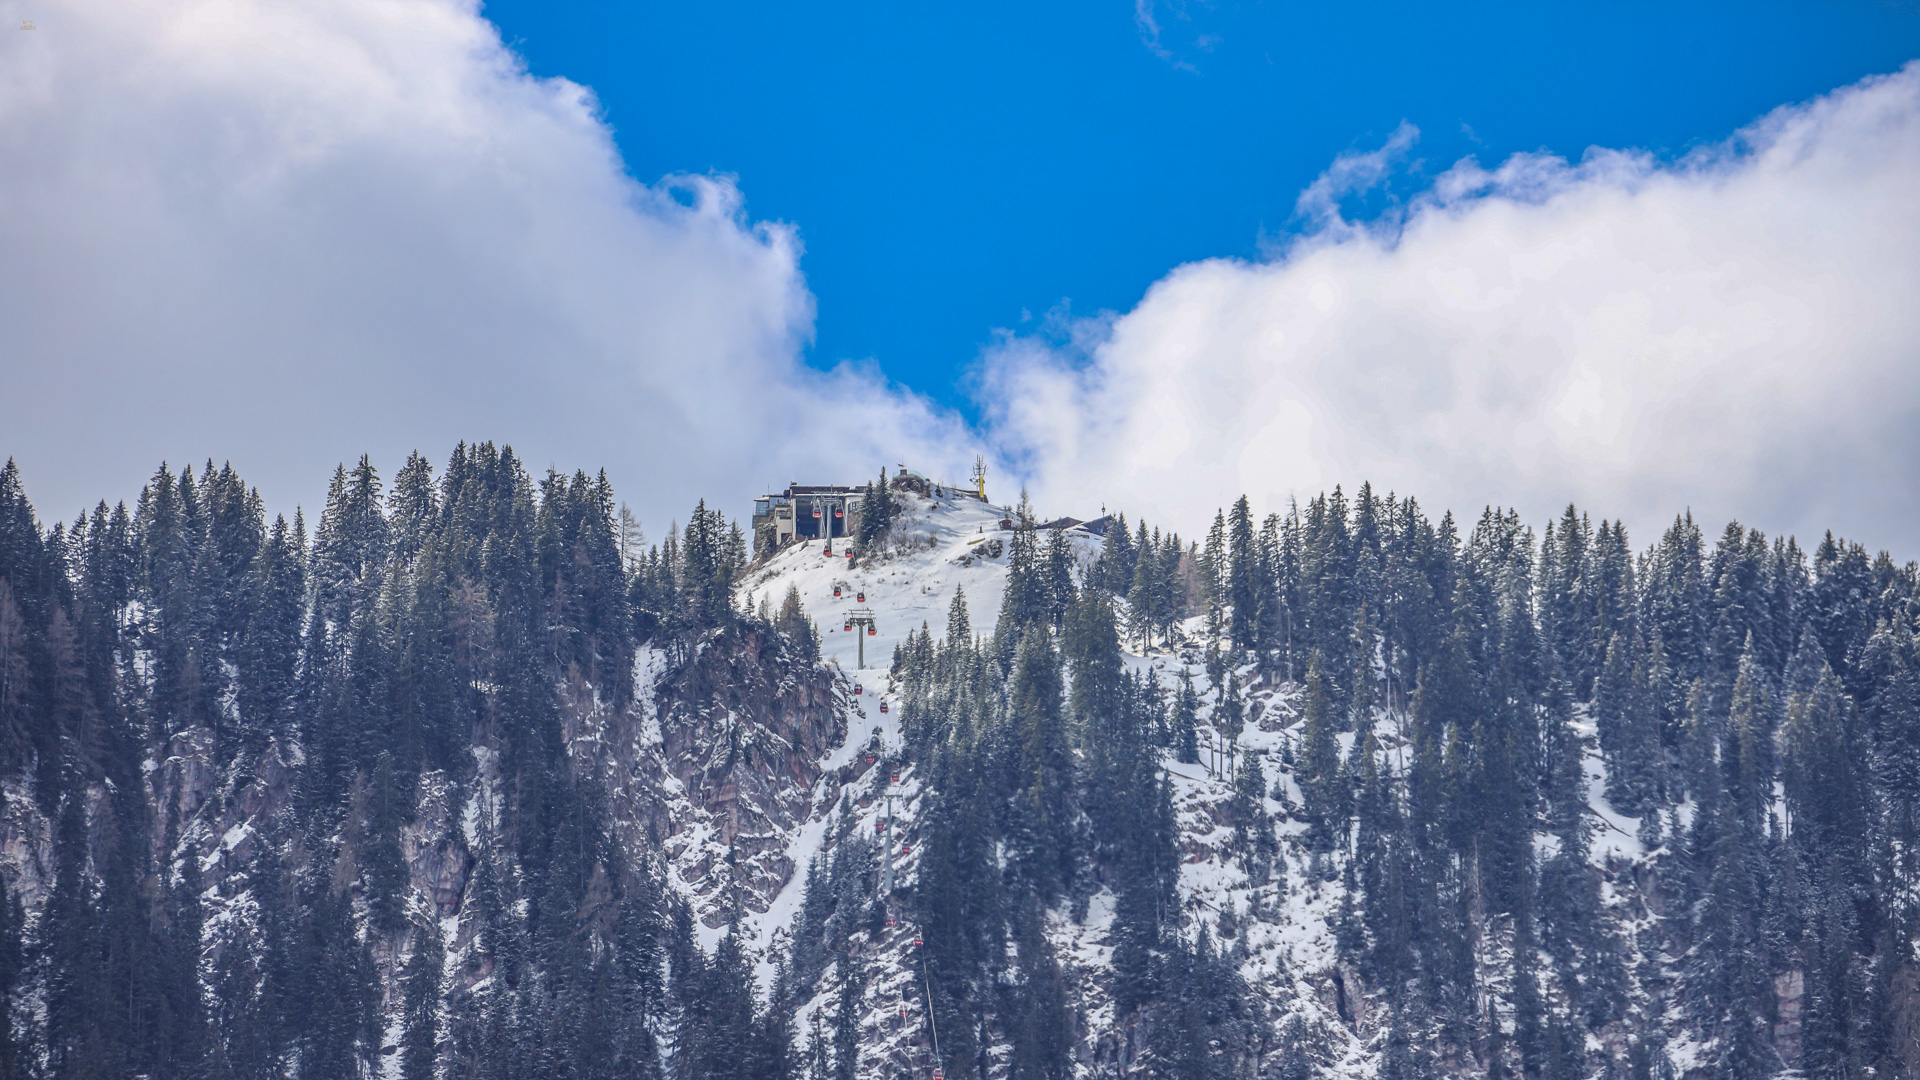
(291, 232)
(1737, 332)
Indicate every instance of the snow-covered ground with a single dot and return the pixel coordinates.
(938, 546)
(910, 584)
(1284, 940)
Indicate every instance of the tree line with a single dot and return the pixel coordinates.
(171, 667)
(1749, 710)
(1754, 709)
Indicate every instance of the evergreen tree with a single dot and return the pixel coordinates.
(1322, 791)
(1253, 832)
(1186, 711)
(709, 557)
(269, 649)
(1057, 576)
(1567, 602)
(1244, 578)
(384, 867)
(846, 1019)
(13, 958)
(1215, 563)
(1147, 907)
(1042, 1031)
(1153, 600)
(1113, 570)
(1042, 811)
(419, 1046)
(878, 508)
(959, 626)
(1625, 720)
(793, 622)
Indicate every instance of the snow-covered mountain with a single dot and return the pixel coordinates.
(1281, 931)
(460, 786)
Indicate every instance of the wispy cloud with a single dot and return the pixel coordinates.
(1354, 172)
(1148, 23)
(1154, 35)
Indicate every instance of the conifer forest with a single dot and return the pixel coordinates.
(463, 777)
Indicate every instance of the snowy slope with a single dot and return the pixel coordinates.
(912, 582)
(1284, 943)
(940, 545)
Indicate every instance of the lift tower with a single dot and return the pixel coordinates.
(861, 624)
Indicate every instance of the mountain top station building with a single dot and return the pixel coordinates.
(829, 511)
(807, 512)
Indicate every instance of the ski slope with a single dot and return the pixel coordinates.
(941, 545)
(909, 583)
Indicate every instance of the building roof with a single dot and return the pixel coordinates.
(1098, 526)
(822, 489)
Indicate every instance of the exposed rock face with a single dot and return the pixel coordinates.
(26, 845)
(437, 857)
(743, 727)
(744, 730)
(1789, 994)
(715, 763)
(188, 774)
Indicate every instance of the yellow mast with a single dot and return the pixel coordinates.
(980, 476)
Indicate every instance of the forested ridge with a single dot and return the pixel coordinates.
(409, 793)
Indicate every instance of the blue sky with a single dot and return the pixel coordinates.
(954, 167)
(286, 233)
